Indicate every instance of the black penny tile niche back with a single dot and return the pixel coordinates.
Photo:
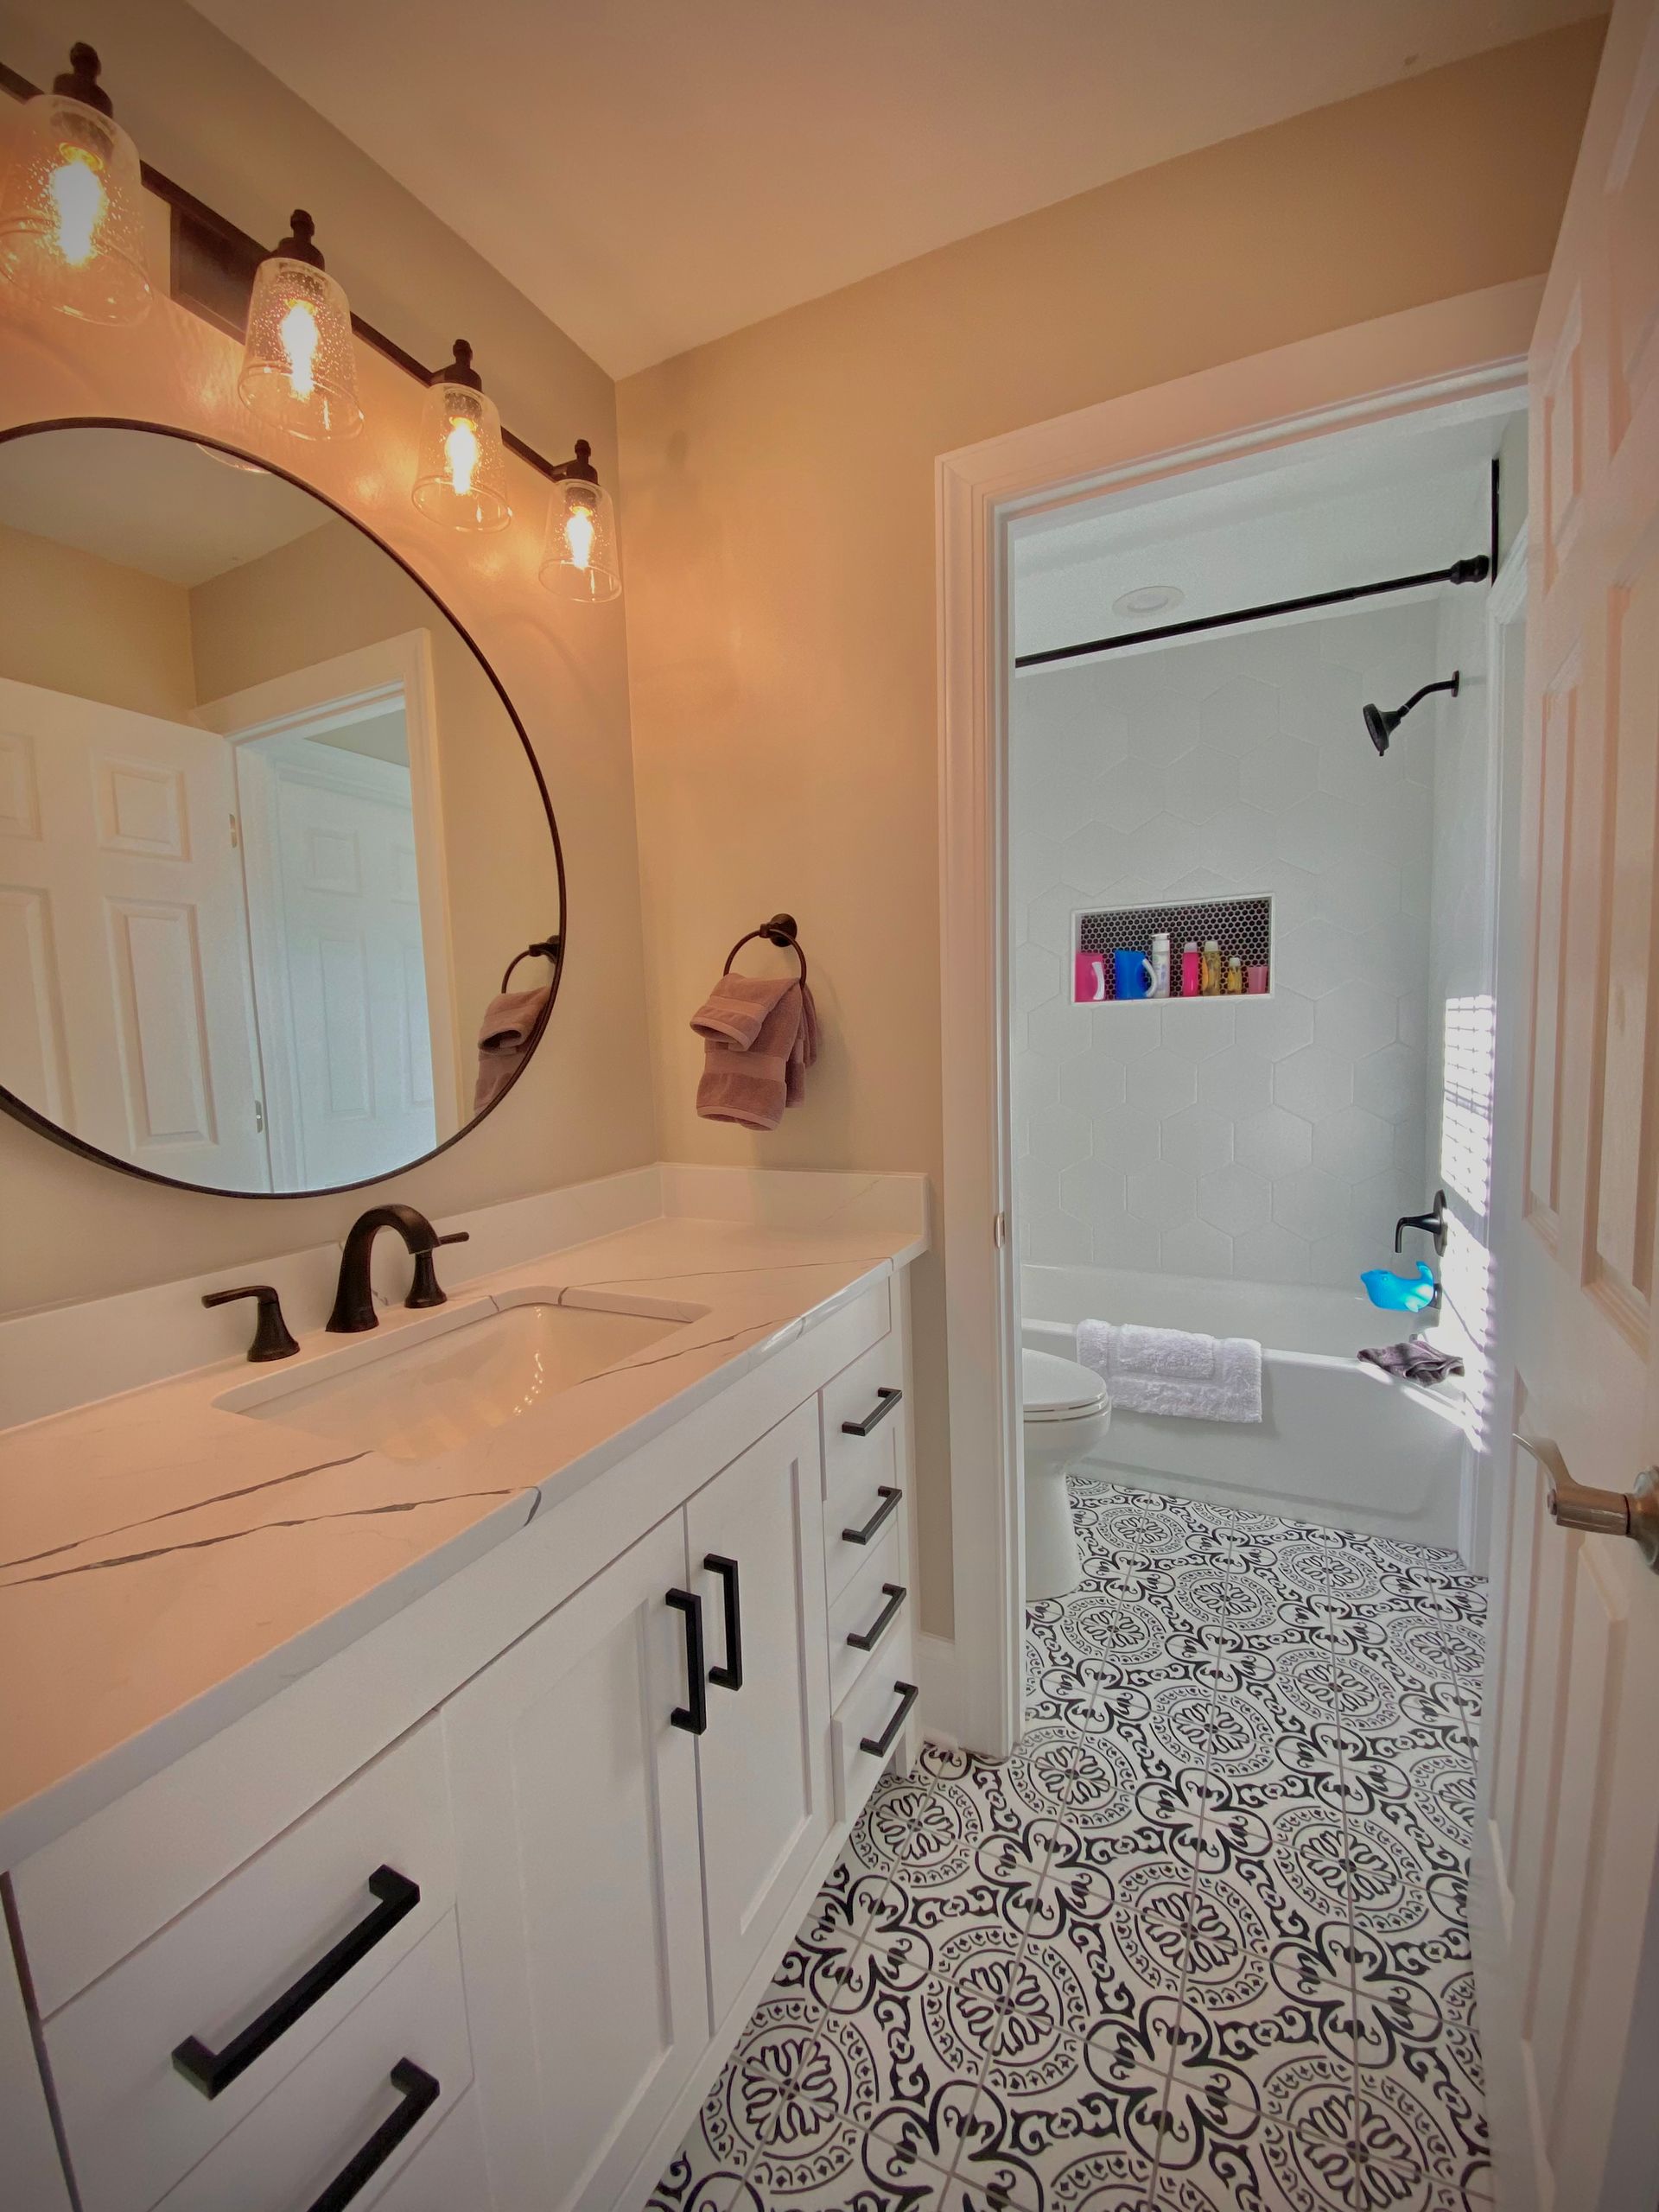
(1242, 928)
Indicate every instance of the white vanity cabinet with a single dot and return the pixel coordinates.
(592, 1918)
(613, 1758)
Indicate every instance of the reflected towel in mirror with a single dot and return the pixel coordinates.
(510, 1022)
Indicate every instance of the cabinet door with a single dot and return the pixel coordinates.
(579, 1894)
(765, 1758)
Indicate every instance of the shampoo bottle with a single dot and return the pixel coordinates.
(1235, 974)
(1211, 972)
(1190, 970)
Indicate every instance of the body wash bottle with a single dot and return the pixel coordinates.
(1159, 966)
(1234, 975)
(1211, 971)
(1190, 969)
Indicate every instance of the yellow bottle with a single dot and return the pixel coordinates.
(1210, 969)
(1234, 975)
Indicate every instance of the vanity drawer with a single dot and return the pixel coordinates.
(398, 2062)
(868, 1716)
(867, 1608)
(866, 1436)
(133, 2122)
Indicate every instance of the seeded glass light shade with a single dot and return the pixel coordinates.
(461, 477)
(299, 371)
(72, 230)
(579, 560)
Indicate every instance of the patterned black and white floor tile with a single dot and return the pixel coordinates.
(1200, 1944)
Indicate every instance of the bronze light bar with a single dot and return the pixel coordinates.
(212, 276)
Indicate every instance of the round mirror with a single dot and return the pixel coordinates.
(272, 840)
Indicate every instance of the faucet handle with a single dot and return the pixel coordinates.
(272, 1338)
(424, 1290)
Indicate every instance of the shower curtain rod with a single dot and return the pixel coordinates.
(1474, 570)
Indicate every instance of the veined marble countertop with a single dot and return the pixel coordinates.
(155, 1545)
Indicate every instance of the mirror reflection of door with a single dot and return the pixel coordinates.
(338, 965)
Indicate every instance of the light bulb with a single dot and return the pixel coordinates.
(580, 560)
(459, 477)
(579, 536)
(77, 189)
(71, 233)
(298, 334)
(460, 453)
(299, 370)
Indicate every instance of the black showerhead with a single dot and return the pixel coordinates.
(1381, 722)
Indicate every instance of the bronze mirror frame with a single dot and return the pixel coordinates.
(31, 1118)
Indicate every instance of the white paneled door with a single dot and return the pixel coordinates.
(1570, 1797)
(123, 963)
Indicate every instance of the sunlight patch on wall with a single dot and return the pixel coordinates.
(1466, 1110)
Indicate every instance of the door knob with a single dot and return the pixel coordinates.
(1632, 1513)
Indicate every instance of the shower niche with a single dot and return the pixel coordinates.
(1114, 951)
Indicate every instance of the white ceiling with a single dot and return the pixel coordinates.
(1394, 501)
(655, 173)
(162, 505)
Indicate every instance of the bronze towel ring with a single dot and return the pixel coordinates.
(549, 949)
(779, 930)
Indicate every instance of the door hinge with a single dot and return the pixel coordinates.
(259, 1117)
(235, 834)
(1000, 1231)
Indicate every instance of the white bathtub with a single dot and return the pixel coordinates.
(1338, 1443)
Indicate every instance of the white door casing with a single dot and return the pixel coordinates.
(1567, 1835)
(764, 1759)
(580, 1898)
(123, 963)
(340, 974)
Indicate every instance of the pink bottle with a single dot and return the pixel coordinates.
(1089, 986)
(1190, 972)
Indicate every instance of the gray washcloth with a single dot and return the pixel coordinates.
(1414, 1361)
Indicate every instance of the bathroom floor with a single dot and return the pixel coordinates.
(1201, 1944)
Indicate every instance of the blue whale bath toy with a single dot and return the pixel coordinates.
(1400, 1293)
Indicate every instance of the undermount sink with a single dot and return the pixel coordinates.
(424, 1392)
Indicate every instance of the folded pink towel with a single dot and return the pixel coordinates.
(752, 1085)
(510, 1021)
(735, 1010)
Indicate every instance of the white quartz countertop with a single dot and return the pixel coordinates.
(156, 1545)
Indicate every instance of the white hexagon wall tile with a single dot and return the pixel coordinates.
(1266, 1139)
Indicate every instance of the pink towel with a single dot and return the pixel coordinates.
(504, 1036)
(735, 1010)
(751, 1085)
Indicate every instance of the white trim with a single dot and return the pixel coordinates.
(354, 687)
(1467, 350)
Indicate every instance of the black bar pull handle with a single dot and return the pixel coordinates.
(889, 1497)
(730, 1676)
(895, 1595)
(693, 1716)
(886, 1399)
(879, 1746)
(210, 2071)
(418, 2091)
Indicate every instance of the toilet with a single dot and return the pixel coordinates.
(1067, 1412)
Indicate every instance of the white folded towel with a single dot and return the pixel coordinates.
(1168, 1371)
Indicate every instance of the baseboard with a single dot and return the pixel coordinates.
(938, 1709)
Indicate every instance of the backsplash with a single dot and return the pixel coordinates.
(1275, 1139)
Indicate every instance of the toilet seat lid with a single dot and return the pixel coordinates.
(1053, 1389)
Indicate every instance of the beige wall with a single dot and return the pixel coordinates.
(208, 115)
(779, 491)
(78, 624)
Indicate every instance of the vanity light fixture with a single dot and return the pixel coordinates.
(459, 476)
(72, 229)
(579, 559)
(299, 372)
